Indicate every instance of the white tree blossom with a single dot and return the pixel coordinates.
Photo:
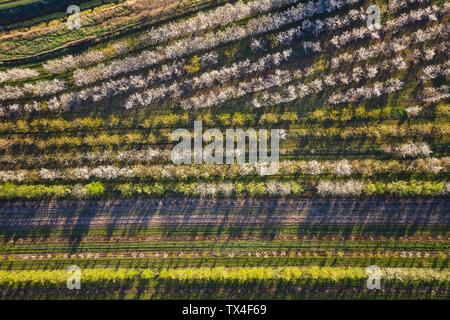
(342, 189)
(343, 167)
(413, 111)
(412, 149)
(17, 74)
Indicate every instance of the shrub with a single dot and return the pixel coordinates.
(95, 188)
(193, 66)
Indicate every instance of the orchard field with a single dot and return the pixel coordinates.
(87, 177)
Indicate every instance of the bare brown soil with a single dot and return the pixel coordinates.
(223, 237)
(218, 212)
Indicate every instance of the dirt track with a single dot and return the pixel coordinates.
(195, 212)
(182, 204)
(225, 237)
(198, 220)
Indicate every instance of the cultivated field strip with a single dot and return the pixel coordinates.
(161, 206)
(228, 245)
(246, 293)
(229, 237)
(194, 220)
(191, 214)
